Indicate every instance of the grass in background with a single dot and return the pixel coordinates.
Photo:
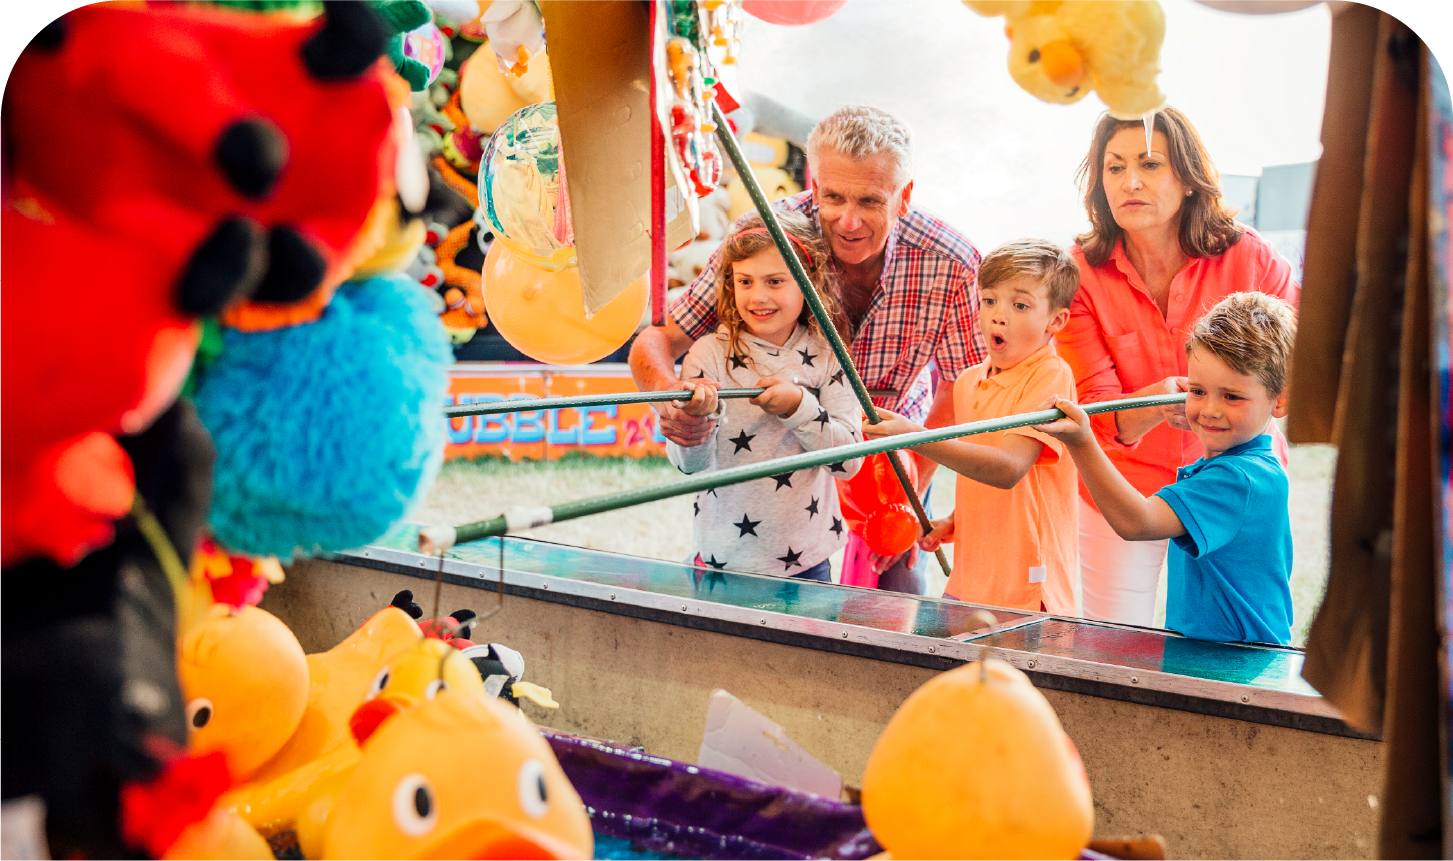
(469, 490)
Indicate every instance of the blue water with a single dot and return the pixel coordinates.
(615, 847)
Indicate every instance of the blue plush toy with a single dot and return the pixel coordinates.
(327, 433)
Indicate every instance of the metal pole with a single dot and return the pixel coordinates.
(494, 408)
(435, 539)
(809, 293)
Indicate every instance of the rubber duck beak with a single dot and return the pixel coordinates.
(370, 716)
(1062, 63)
(490, 838)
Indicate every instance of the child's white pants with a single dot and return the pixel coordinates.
(1118, 578)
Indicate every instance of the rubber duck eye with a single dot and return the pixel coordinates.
(534, 798)
(435, 688)
(415, 809)
(379, 681)
(199, 713)
(1034, 56)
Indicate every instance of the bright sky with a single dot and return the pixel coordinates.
(1000, 164)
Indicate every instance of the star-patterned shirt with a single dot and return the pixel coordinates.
(926, 308)
(785, 524)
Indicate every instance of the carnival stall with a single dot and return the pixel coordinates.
(227, 637)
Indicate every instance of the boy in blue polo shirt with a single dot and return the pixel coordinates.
(1230, 560)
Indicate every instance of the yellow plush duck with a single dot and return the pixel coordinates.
(409, 797)
(1059, 50)
(339, 680)
(1006, 781)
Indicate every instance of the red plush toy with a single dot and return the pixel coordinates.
(211, 121)
(220, 177)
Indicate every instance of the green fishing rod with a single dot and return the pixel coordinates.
(824, 322)
(436, 539)
(492, 408)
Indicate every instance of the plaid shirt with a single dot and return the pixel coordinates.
(924, 315)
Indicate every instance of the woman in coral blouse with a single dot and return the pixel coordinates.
(1161, 250)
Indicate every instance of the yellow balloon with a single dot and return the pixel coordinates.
(542, 314)
(245, 680)
(485, 95)
(975, 764)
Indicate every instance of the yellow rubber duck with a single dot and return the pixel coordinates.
(409, 797)
(339, 680)
(1059, 50)
(975, 764)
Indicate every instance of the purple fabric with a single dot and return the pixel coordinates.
(680, 809)
(676, 808)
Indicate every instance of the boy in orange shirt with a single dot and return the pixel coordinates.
(1015, 498)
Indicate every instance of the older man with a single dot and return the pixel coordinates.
(908, 282)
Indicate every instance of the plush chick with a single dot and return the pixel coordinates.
(1059, 51)
(1006, 780)
(406, 798)
(245, 680)
(339, 680)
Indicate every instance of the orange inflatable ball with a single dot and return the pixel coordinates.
(542, 314)
(245, 679)
(484, 93)
(975, 764)
(891, 530)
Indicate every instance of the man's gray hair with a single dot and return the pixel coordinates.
(861, 132)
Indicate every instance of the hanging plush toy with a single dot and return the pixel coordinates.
(516, 33)
(1059, 51)
(176, 95)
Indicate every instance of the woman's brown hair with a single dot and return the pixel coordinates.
(1207, 226)
(751, 237)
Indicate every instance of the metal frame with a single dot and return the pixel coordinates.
(1054, 672)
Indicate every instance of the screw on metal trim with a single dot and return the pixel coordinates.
(845, 635)
(1134, 680)
(612, 596)
(683, 608)
(545, 586)
(1245, 698)
(762, 621)
(933, 648)
(1031, 665)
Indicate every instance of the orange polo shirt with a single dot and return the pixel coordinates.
(1016, 548)
(1118, 342)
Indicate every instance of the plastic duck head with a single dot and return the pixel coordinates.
(1007, 780)
(408, 798)
(421, 673)
(245, 679)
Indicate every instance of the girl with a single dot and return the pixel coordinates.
(787, 525)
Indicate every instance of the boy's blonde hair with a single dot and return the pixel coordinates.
(1043, 261)
(751, 237)
(1253, 333)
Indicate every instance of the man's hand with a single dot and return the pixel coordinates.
(1175, 414)
(943, 531)
(781, 399)
(892, 424)
(1074, 429)
(653, 360)
(703, 398)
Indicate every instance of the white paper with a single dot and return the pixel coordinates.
(743, 742)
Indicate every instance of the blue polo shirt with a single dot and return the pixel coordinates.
(1229, 576)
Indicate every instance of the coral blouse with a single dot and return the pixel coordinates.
(1117, 342)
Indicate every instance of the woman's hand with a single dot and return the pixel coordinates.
(1131, 425)
(892, 424)
(943, 531)
(781, 399)
(1073, 429)
(703, 398)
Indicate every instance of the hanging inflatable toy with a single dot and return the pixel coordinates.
(542, 314)
(1007, 781)
(523, 198)
(1060, 51)
(516, 31)
(793, 13)
(876, 507)
(488, 96)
